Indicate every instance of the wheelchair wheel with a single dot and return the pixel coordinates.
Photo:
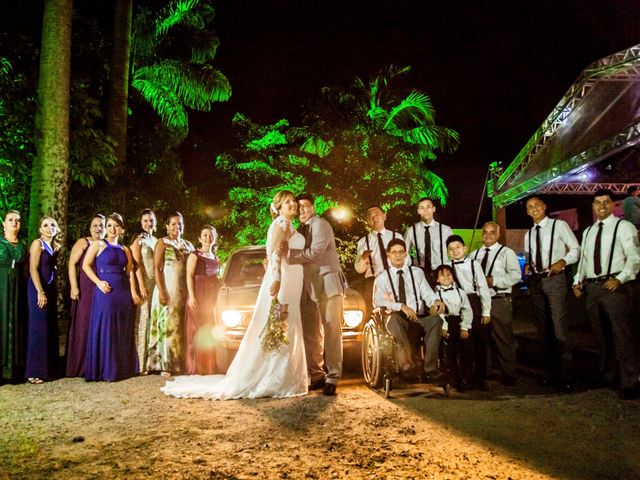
(372, 356)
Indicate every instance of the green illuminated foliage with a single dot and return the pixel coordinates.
(172, 53)
(364, 145)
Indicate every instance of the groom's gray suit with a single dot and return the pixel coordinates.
(324, 285)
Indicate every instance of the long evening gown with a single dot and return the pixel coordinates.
(198, 323)
(79, 324)
(256, 373)
(167, 321)
(12, 309)
(143, 312)
(111, 348)
(42, 326)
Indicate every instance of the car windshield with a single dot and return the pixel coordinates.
(245, 268)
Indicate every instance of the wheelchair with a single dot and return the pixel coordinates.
(379, 364)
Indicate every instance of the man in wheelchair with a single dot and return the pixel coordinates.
(406, 300)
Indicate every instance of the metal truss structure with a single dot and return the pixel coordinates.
(545, 159)
(584, 188)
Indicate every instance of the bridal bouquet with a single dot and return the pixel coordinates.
(274, 333)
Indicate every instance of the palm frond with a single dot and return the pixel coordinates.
(416, 108)
(434, 188)
(196, 86)
(205, 46)
(433, 136)
(177, 13)
(164, 101)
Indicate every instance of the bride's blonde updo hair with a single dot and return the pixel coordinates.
(278, 200)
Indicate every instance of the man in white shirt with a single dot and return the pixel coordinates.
(406, 297)
(371, 254)
(550, 246)
(610, 260)
(427, 240)
(502, 271)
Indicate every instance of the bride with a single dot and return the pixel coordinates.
(255, 372)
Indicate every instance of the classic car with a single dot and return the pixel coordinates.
(237, 297)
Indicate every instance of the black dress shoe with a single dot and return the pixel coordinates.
(329, 389)
(317, 385)
(434, 378)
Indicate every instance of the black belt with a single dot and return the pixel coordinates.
(502, 295)
(601, 278)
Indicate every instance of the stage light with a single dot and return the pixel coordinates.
(341, 213)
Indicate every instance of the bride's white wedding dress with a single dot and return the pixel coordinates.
(255, 373)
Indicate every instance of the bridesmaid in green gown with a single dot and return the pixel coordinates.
(166, 332)
(13, 315)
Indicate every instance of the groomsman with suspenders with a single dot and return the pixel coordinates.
(550, 246)
(610, 260)
(371, 256)
(427, 238)
(502, 271)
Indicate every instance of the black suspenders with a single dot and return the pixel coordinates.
(413, 284)
(553, 231)
(493, 262)
(366, 239)
(415, 242)
(613, 245)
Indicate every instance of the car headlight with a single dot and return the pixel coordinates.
(352, 318)
(231, 318)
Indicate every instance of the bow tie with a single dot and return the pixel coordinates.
(458, 262)
(446, 289)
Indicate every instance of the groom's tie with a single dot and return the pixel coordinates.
(307, 235)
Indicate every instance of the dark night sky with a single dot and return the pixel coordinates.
(494, 70)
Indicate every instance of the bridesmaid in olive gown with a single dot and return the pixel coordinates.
(12, 299)
(142, 251)
(166, 343)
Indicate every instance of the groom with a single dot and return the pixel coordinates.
(322, 297)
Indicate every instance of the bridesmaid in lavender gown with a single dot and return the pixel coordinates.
(202, 288)
(111, 349)
(81, 299)
(42, 326)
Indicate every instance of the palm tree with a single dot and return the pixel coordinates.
(50, 177)
(118, 106)
(172, 67)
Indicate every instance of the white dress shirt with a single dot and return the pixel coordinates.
(565, 244)
(457, 303)
(466, 275)
(438, 248)
(364, 266)
(626, 254)
(506, 269)
(383, 293)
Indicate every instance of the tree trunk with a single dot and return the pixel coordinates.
(117, 109)
(50, 175)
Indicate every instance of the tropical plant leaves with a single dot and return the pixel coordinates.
(164, 101)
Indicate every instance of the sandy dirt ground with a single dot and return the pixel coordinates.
(69, 429)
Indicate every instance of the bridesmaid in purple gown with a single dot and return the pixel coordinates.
(111, 348)
(202, 286)
(81, 299)
(42, 326)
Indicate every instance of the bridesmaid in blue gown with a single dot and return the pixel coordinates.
(42, 326)
(111, 349)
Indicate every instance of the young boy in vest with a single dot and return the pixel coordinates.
(457, 319)
(468, 275)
